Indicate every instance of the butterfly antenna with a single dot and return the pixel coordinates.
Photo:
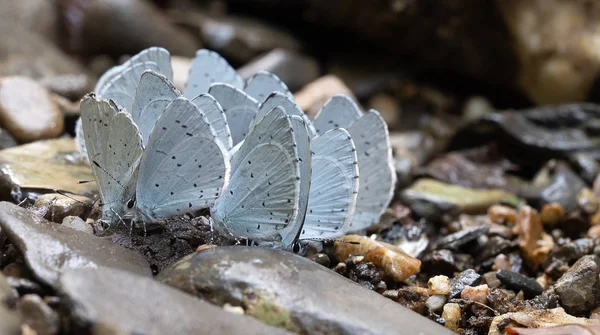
(65, 194)
(108, 174)
(330, 240)
(85, 181)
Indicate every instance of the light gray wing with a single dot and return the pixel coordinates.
(115, 148)
(262, 84)
(207, 68)
(338, 112)
(158, 58)
(80, 138)
(215, 116)
(184, 167)
(291, 108)
(154, 93)
(377, 174)
(239, 109)
(334, 186)
(261, 202)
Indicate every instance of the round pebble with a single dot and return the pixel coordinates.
(435, 302)
(439, 285)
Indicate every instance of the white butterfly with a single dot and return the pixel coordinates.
(183, 168)
(371, 139)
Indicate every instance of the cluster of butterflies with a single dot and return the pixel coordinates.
(243, 149)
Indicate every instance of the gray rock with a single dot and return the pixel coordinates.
(578, 288)
(140, 305)
(49, 249)
(10, 322)
(518, 282)
(295, 69)
(466, 278)
(446, 262)
(461, 238)
(38, 315)
(293, 292)
(77, 223)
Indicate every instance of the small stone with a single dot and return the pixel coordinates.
(56, 207)
(435, 302)
(314, 95)
(502, 262)
(476, 107)
(181, 71)
(518, 282)
(392, 260)
(593, 232)
(538, 318)
(461, 238)
(38, 315)
(494, 246)
(388, 107)
(205, 247)
(439, 285)
(451, 315)
(77, 223)
(502, 214)
(587, 201)
(413, 298)
(320, 258)
(476, 293)
(295, 69)
(27, 110)
(552, 213)
(234, 309)
(491, 279)
(530, 230)
(49, 248)
(578, 288)
(466, 278)
(446, 262)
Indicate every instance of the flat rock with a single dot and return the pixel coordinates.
(27, 110)
(295, 69)
(38, 315)
(141, 305)
(49, 249)
(518, 282)
(292, 292)
(10, 322)
(431, 199)
(57, 207)
(466, 278)
(43, 166)
(456, 240)
(578, 288)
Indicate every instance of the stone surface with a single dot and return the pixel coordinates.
(314, 95)
(77, 223)
(461, 238)
(435, 302)
(134, 304)
(27, 110)
(451, 315)
(38, 315)
(466, 278)
(431, 199)
(55, 207)
(531, 232)
(39, 16)
(439, 285)
(475, 293)
(536, 318)
(578, 288)
(388, 107)
(49, 249)
(446, 262)
(290, 291)
(295, 69)
(43, 166)
(120, 27)
(518, 282)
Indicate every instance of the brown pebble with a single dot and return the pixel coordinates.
(530, 231)
(552, 213)
(475, 293)
(28, 111)
(55, 207)
(394, 262)
(205, 246)
(314, 95)
(502, 214)
(38, 315)
(439, 285)
(451, 315)
(587, 201)
(501, 262)
(594, 232)
(388, 107)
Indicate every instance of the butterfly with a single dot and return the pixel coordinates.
(371, 139)
(182, 168)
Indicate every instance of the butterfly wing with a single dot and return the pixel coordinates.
(334, 186)
(215, 116)
(153, 94)
(338, 112)
(261, 202)
(239, 109)
(291, 108)
(263, 83)
(207, 68)
(377, 174)
(114, 145)
(184, 167)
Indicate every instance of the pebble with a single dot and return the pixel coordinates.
(461, 238)
(475, 293)
(314, 95)
(556, 182)
(56, 207)
(495, 245)
(77, 223)
(587, 201)
(593, 232)
(537, 318)
(321, 259)
(49, 248)
(530, 231)
(466, 278)
(274, 286)
(518, 282)
(431, 199)
(439, 285)
(38, 315)
(181, 70)
(414, 298)
(491, 279)
(446, 262)
(578, 288)
(552, 213)
(58, 173)
(435, 302)
(295, 69)
(28, 111)
(502, 262)
(502, 214)
(451, 315)
(388, 107)
(391, 259)
(129, 303)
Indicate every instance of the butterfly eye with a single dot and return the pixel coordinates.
(130, 203)
(296, 248)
